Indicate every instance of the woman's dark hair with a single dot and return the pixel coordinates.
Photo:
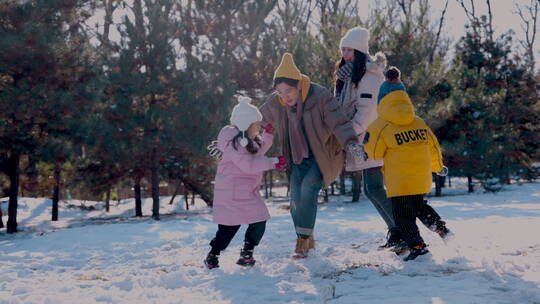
(287, 81)
(251, 147)
(358, 71)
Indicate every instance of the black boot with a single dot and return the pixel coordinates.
(393, 237)
(211, 261)
(443, 231)
(400, 248)
(416, 251)
(246, 258)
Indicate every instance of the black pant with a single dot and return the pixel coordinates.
(406, 209)
(225, 234)
(429, 217)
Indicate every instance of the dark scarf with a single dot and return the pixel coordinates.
(344, 73)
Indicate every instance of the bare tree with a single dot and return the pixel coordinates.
(529, 18)
(110, 6)
(490, 16)
(406, 6)
(470, 12)
(438, 36)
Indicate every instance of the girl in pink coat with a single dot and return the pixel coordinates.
(237, 199)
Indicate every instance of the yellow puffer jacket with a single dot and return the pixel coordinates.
(407, 145)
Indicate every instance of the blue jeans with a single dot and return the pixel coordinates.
(306, 182)
(374, 190)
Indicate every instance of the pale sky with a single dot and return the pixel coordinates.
(454, 26)
(504, 18)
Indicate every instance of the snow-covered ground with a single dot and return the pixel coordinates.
(493, 258)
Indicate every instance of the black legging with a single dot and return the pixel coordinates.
(406, 209)
(225, 234)
(429, 217)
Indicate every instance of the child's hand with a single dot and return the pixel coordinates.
(269, 129)
(443, 172)
(280, 163)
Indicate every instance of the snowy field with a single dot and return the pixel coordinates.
(493, 258)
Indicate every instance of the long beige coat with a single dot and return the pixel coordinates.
(327, 129)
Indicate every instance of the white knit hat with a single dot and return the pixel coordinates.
(243, 115)
(356, 38)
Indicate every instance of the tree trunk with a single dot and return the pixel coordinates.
(439, 181)
(198, 189)
(155, 184)
(469, 182)
(356, 185)
(109, 10)
(449, 182)
(56, 190)
(108, 200)
(186, 196)
(176, 190)
(192, 198)
(1, 221)
(138, 201)
(333, 187)
(342, 189)
(14, 170)
(326, 195)
(266, 186)
(271, 182)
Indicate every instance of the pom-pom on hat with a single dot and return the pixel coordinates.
(243, 115)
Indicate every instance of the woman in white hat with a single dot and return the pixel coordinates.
(358, 78)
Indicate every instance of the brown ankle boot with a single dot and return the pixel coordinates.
(311, 243)
(302, 248)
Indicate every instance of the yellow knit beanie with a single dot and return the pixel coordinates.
(287, 68)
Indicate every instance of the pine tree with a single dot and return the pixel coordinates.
(221, 44)
(493, 131)
(141, 93)
(42, 85)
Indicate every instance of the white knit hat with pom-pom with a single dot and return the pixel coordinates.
(243, 115)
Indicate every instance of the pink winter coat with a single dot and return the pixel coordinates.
(237, 199)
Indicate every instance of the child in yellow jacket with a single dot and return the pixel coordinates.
(411, 153)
